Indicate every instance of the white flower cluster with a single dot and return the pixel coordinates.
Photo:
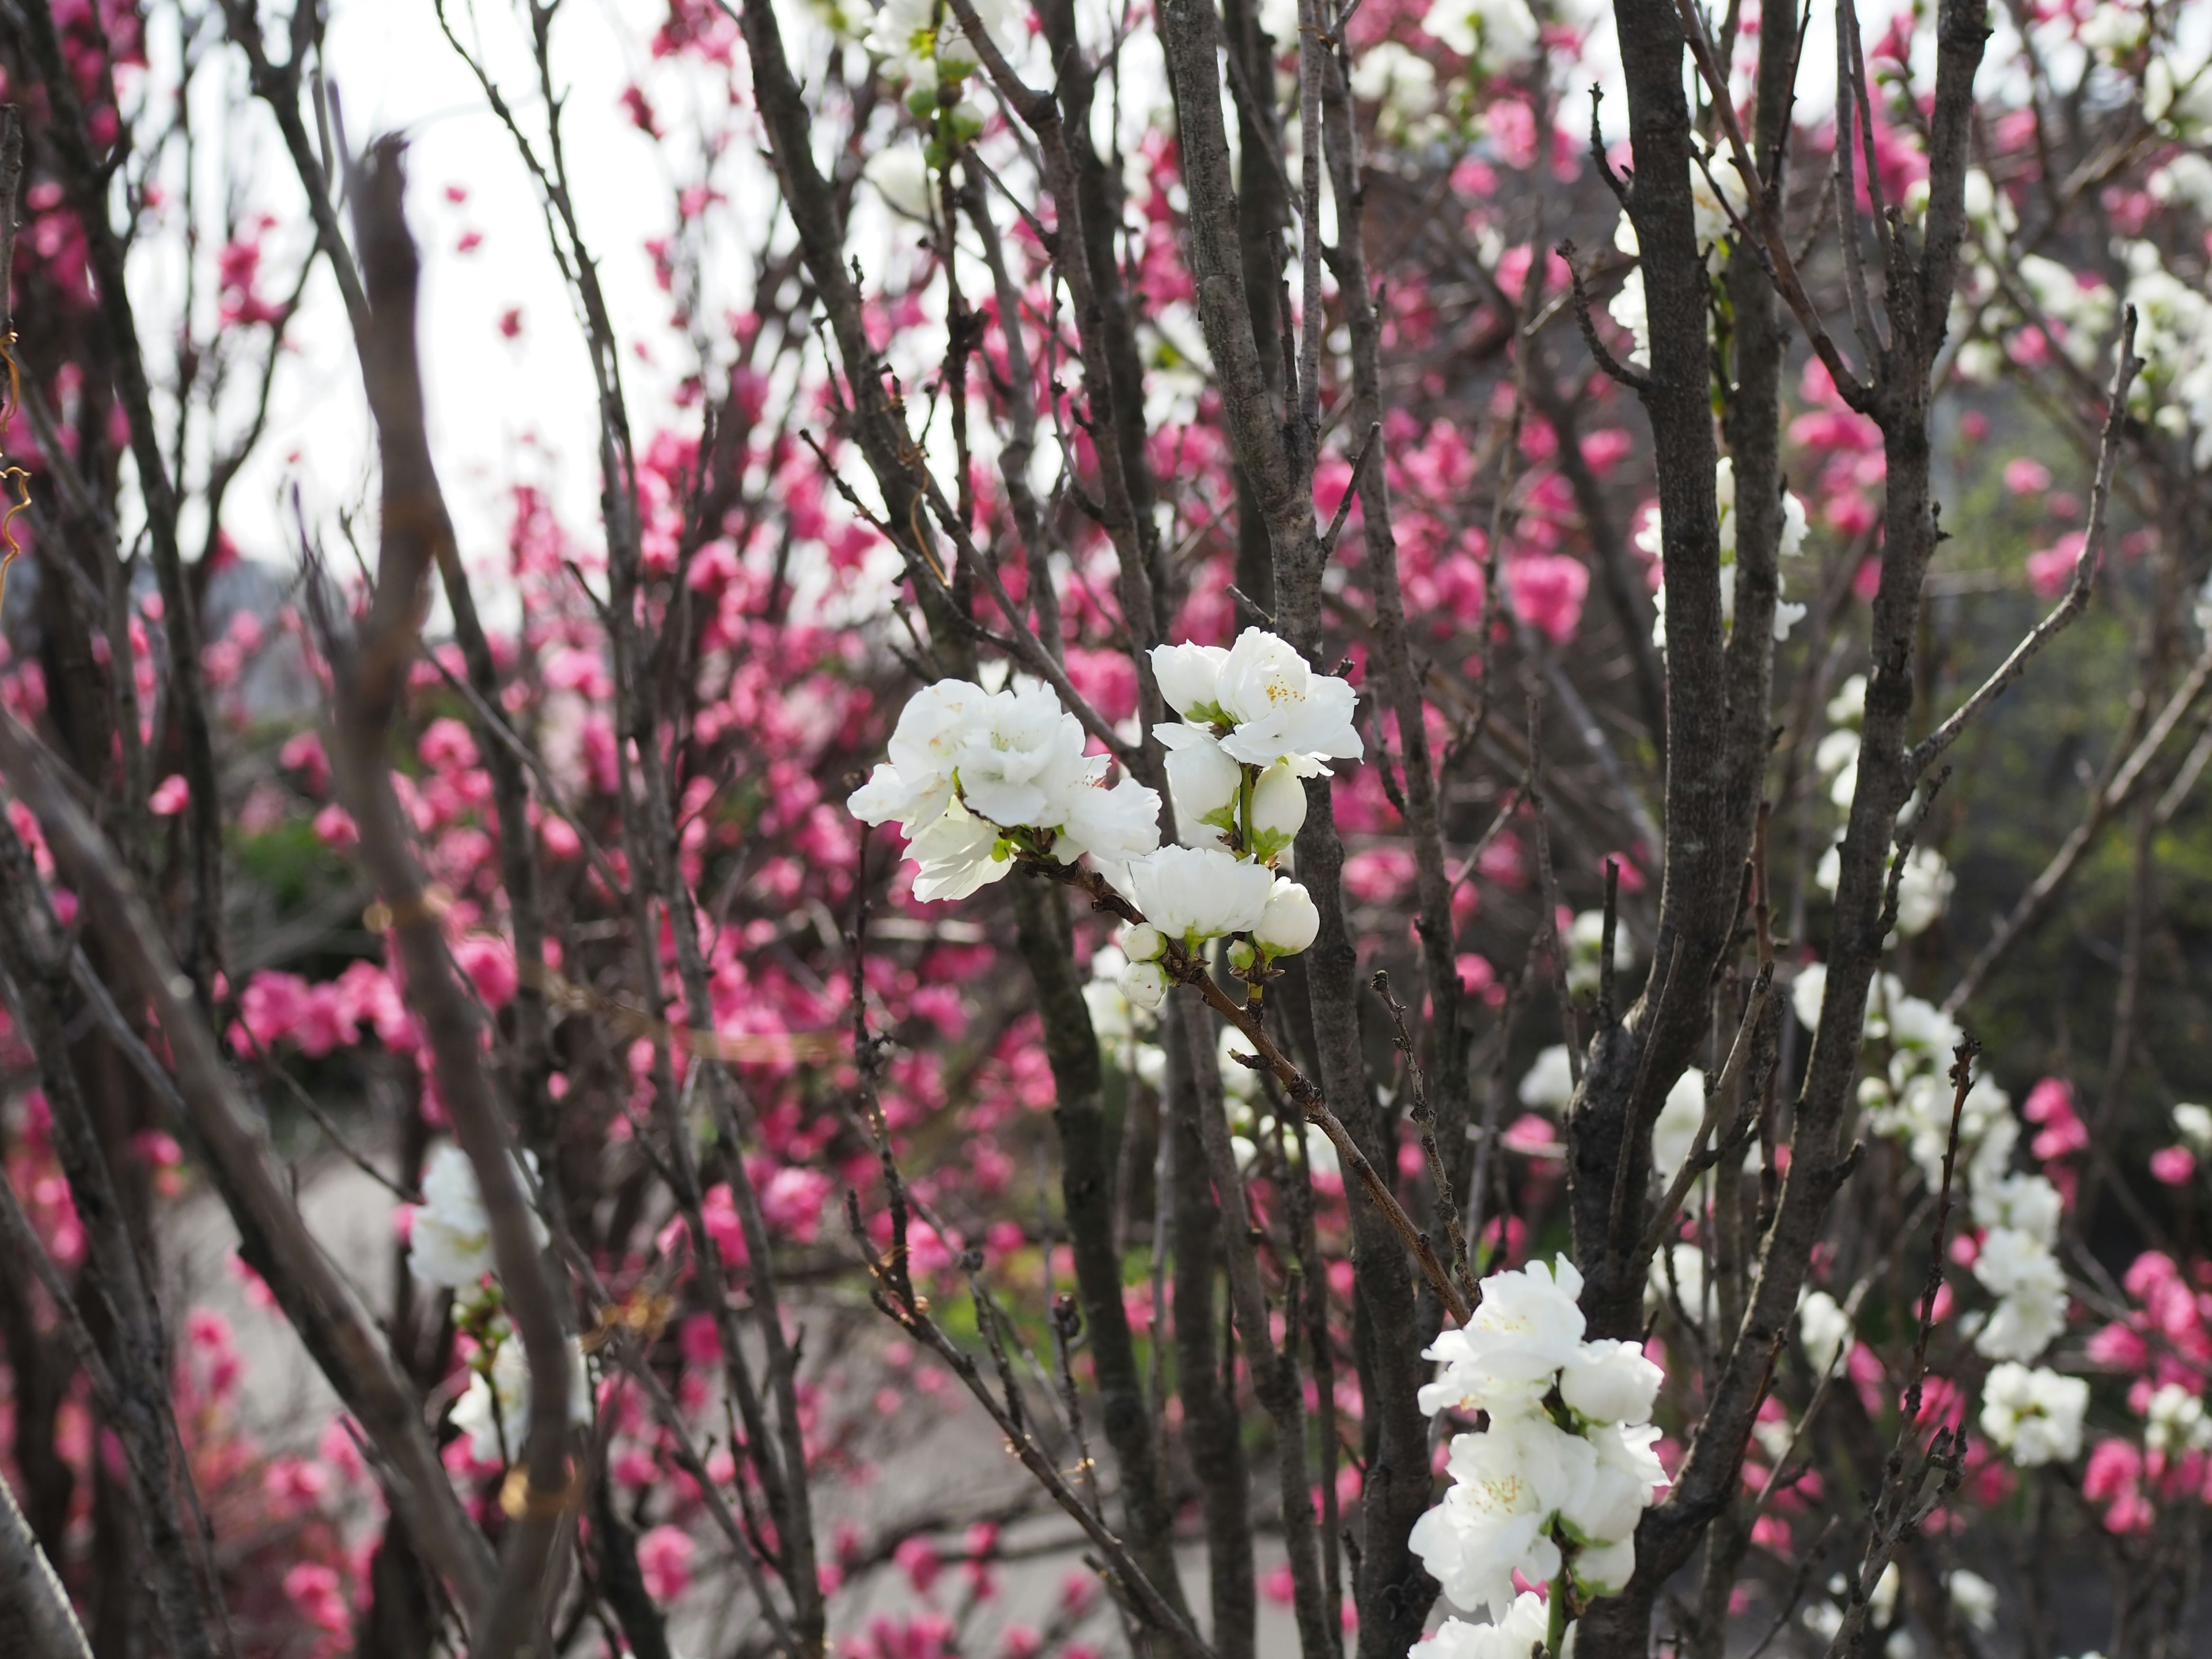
(1255, 1129)
(449, 1234)
(1924, 890)
(1794, 527)
(1516, 1635)
(2034, 1417)
(449, 1244)
(924, 48)
(1498, 33)
(974, 774)
(494, 1411)
(2193, 1123)
(1972, 1596)
(1585, 943)
(1554, 1488)
(2173, 328)
(1718, 202)
(2175, 1422)
(1825, 1328)
(1906, 1095)
(2016, 1265)
(976, 777)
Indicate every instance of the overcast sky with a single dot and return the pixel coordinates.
(499, 409)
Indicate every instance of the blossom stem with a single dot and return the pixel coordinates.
(1555, 1627)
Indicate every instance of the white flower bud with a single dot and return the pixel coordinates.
(1145, 983)
(1290, 922)
(1204, 784)
(1143, 943)
(1279, 807)
(1189, 677)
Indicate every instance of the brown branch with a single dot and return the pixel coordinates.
(275, 1241)
(372, 673)
(31, 1592)
(2085, 566)
(1187, 969)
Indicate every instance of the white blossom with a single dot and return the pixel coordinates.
(1975, 1598)
(1586, 951)
(1516, 1632)
(2033, 1416)
(1499, 31)
(1923, 891)
(921, 39)
(449, 1236)
(1676, 1130)
(1283, 710)
(969, 768)
(956, 855)
(1825, 1329)
(1145, 984)
(915, 784)
(494, 1411)
(1189, 677)
(1629, 309)
(2026, 1203)
(1678, 1270)
(1610, 1382)
(2019, 1269)
(1143, 943)
(1193, 893)
(1505, 1357)
(2193, 1125)
(2175, 1422)
(1550, 1083)
(1508, 1484)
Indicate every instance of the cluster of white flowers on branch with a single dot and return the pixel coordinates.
(976, 778)
(1552, 1487)
(449, 1247)
(1906, 1095)
(979, 781)
(449, 1233)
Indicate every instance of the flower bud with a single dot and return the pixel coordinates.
(1290, 922)
(1279, 807)
(1145, 983)
(1240, 954)
(1204, 783)
(1143, 943)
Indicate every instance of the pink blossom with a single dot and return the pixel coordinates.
(2050, 570)
(169, 796)
(1547, 590)
(334, 827)
(918, 1558)
(1530, 1133)
(489, 964)
(2173, 1165)
(2024, 475)
(2119, 1347)
(792, 1201)
(664, 1560)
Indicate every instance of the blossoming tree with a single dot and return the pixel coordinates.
(1070, 865)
